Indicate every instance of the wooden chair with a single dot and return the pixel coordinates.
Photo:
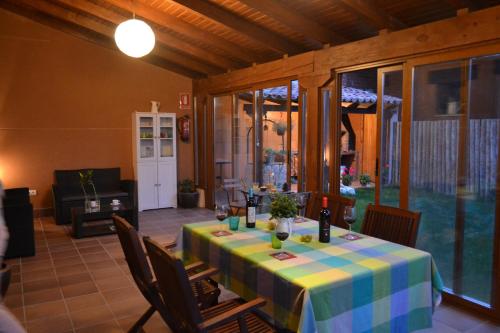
(5, 275)
(223, 196)
(391, 224)
(336, 205)
(229, 317)
(205, 290)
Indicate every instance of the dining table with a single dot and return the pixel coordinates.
(365, 285)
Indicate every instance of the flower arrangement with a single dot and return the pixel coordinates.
(86, 180)
(348, 175)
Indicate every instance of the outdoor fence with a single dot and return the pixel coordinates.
(434, 154)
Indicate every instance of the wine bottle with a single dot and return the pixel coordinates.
(324, 222)
(251, 205)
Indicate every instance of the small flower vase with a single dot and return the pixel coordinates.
(285, 225)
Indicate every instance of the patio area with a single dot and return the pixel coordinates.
(85, 285)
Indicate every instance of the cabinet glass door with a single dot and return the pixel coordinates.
(166, 137)
(146, 137)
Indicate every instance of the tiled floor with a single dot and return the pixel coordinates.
(84, 285)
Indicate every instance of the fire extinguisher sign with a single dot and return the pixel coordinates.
(184, 101)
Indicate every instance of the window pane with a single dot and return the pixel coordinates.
(391, 138)
(243, 136)
(304, 143)
(326, 140)
(479, 195)
(222, 139)
(454, 170)
(273, 113)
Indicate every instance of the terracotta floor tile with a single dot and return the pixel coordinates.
(91, 250)
(156, 325)
(106, 273)
(456, 319)
(36, 265)
(79, 289)
(15, 288)
(101, 264)
(91, 316)
(14, 301)
(42, 284)
(18, 313)
(95, 257)
(84, 302)
(68, 280)
(70, 269)
(46, 273)
(67, 261)
(45, 310)
(114, 283)
(121, 294)
(136, 305)
(58, 324)
(85, 242)
(65, 254)
(106, 327)
(42, 296)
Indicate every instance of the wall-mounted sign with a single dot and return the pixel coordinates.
(184, 101)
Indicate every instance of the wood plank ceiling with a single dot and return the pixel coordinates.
(198, 38)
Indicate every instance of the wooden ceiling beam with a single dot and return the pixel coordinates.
(374, 15)
(294, 20)
(460, 4)
(178, 25)
(84, 27)
(242, 26)
(164, 38)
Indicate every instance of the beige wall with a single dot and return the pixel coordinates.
(66, 103)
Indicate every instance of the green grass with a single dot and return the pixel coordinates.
(437, 234)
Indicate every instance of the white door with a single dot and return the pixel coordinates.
(146, 137)
(166, 137)
(167, 180)
(147, 185)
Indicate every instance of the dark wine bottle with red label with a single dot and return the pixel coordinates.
(324, 222)
(251, 206)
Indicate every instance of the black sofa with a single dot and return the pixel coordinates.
(67, 192)
(18, 213)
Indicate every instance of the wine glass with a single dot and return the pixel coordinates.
(301, 200)
(350, 218)
(283, 229)
(221, 213)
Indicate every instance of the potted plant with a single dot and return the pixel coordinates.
(284, 210)
(279, 156)
(346, 179)
(268, 156)
(364, 179)
(86, 181)
(279, 127)
(187, 195)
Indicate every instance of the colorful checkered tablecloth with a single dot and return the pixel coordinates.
(366, 285)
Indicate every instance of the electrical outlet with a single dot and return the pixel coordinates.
(33, 192)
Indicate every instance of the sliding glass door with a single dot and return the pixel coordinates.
(453, 170)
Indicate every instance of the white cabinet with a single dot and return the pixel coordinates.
(155, 159)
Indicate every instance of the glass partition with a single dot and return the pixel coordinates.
(223, 150)
(294, 136)
(325, 139)
(454, 169)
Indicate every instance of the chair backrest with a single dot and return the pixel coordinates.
(221, 196)
(391, 224)
(134, 255)
(5, 275)
(174, 287)
(336, 205)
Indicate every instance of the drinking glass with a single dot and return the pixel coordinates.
(301, 199)
(234, 222)
(350, 218)
(221, 213)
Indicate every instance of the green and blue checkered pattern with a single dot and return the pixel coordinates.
(367, 285)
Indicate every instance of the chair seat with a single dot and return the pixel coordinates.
(238, 204)
(253, 321)
(206, 292)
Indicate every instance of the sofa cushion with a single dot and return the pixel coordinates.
(101, 195)
(105, 180)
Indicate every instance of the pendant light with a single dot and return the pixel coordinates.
(135, 38)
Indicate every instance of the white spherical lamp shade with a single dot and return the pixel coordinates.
(134, 38)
